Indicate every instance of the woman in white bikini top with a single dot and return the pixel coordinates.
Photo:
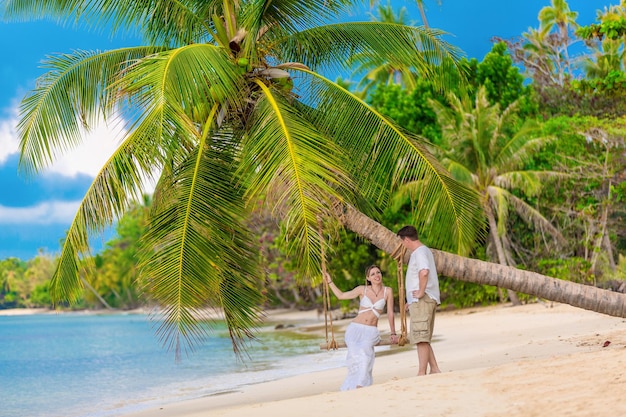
(371, 306)
(362, 333)
(367, 305)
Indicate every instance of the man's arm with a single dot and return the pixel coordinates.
(423, 280)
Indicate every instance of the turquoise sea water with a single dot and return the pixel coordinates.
(79, 365)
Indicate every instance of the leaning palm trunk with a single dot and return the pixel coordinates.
(480, 272)
(497, 242)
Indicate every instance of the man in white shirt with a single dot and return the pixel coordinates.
(422, 297)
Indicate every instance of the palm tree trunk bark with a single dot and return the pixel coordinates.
(480, 272)
(420, 6)
(597, 246)
(98, 296)
(495, 238)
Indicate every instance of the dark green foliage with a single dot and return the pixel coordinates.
(574, 269)
(409, 109)
(350, 257)
(462, 294)
(611, 29)
(502, 80)
(591, 152)
(600, 97)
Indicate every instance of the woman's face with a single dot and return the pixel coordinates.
(374, 275)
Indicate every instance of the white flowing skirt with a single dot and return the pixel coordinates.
(360, 340)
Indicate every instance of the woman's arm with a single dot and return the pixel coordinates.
(348, 295)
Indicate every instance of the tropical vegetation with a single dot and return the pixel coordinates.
(227, 110)
(261, 169)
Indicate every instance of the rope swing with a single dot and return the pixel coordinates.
(328, 319)
(398, 256)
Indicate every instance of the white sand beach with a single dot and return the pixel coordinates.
(543, 359)
(24, 311)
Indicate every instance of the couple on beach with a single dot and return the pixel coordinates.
(422, 297)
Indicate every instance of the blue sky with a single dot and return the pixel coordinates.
(36, 212)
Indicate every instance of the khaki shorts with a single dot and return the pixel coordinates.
(422, 320)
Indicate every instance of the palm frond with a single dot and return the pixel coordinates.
(117, 185)
(162, 23)
(532, 216)
(291, 16)
(183, 79)
(383, 156)
(71, 97)
(460, 172)
(331, 47)
(195, 254)
(284, 152)
(520, 148)
(159, 133)
(499, 203)
(529, 182)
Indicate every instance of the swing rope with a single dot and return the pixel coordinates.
(328, 318)
(398, 255)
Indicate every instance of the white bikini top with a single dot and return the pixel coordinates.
(367, 305)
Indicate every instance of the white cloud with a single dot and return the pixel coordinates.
(96, 148)
(87, 158)
(48, 212)
(8, 136)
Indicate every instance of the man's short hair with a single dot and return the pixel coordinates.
(409, 232)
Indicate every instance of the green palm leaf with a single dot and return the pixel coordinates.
(112, 192)
(195, 256)
(71, 96)
(382, 157)
(162, 23)
(286, 153)
(332, 47)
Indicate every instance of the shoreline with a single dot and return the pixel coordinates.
(48, 311)
(25, 311)
(530, 360)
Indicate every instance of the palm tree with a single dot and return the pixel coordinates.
(420, 7)
(379, 71)
(227, 108)
(559, 15)
(608, 54)
(480, 151)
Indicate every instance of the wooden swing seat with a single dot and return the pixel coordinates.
(384, 341)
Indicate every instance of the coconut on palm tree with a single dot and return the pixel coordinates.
(227, 108)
